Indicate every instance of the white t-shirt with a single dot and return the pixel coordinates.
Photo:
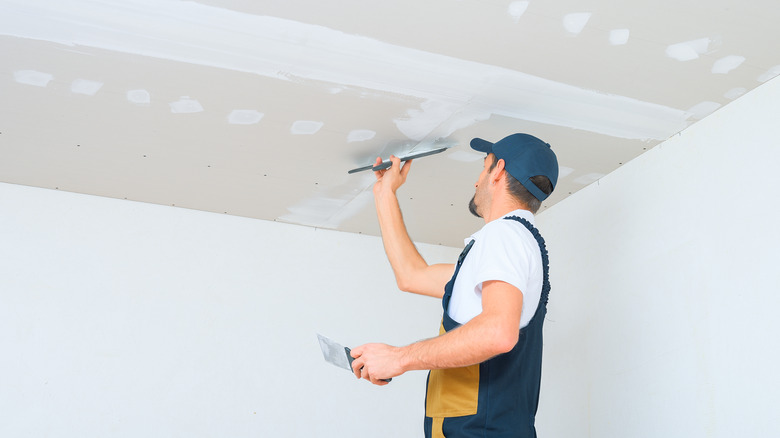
(503, 250)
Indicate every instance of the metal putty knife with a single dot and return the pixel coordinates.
(388, 164)
(336, 353)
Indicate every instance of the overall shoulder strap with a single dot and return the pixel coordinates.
(545, 259)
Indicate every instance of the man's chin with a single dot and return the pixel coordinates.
(473, 208)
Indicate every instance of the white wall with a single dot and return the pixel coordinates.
(663, 317)
(125, 319)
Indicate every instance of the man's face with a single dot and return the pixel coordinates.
(481, 195)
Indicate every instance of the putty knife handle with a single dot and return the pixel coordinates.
(388, 164)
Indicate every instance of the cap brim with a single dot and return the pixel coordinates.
(481, 145)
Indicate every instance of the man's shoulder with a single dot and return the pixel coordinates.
(503, 233)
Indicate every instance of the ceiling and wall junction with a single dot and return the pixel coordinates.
(259, 108)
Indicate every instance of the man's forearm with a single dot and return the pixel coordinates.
(412, 273)
(401, 252)
(472, 343)
(492, 332)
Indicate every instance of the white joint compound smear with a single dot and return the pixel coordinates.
(575, 23)
(688, 50)
(331, 207)
(420, 123)
(305, 127)
(360, 135)
(139, 97)
(517, 9)
(589, 178)
(735, 93)
(771, 73)
(439, 119)
(195, 33)
(727, 63)
(244, 117)
(32, 77)
(618, 37)
(703, 109)
(185, 105)
(86, 87)
(564, 171)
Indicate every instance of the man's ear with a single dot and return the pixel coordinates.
(498, 171)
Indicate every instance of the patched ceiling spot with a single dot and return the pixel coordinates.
(32, 77)
(185, 105)
(244, 117)
(139, 97)
(85, 87)
(305, 127)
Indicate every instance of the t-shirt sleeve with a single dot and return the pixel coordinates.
(500, 255)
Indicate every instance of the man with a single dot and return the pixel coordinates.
(486, 363)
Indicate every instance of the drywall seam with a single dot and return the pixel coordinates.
(199, 34)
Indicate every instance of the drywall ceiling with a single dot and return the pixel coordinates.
(259, 108)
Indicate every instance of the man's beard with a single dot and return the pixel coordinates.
(473, 207)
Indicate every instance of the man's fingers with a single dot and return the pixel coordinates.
(373, 354)
(405, 169)
(396, 162)
(378, 173)
(360, 370)
(357, 366)
(401, 170)
(379, 382)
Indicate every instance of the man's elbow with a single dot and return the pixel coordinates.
(409, 282)
(404, 284)
(504, 341)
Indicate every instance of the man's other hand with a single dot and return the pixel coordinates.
(377, 362)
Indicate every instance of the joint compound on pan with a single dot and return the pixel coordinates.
(195, 33)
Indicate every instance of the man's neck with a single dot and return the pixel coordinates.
(502, 209)
(501, 201)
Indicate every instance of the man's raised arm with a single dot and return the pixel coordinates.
(412, 272)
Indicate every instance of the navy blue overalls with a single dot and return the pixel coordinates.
(498, 397)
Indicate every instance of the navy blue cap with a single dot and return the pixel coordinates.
(525, 156)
